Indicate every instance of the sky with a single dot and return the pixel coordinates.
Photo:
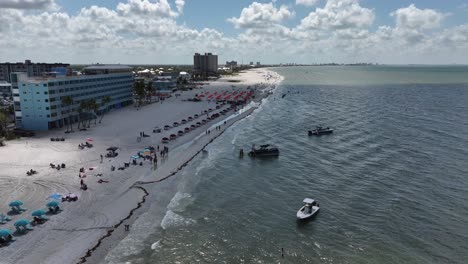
(271, 31)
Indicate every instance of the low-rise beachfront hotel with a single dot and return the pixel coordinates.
(39, 101)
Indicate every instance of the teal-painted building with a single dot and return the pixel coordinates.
(38, 101)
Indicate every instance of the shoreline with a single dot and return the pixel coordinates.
(98, 256)
(78, 234)
(140, 185)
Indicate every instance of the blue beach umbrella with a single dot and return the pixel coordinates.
(55, 196)
(16, 203)
(5, 232)
(22, 222)
(52, 204)
(38, 213)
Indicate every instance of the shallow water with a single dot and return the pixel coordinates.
(391, 180)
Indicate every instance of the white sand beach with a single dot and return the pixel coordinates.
(104, 208)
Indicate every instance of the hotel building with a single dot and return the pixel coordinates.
(39, 104)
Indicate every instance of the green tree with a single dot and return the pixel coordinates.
(82, 109)
(92, 108)
(140, 91)
(105, 103)
(3, 123)
(149, 91)
(68, 101)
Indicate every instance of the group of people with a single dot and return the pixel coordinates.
(164, 152)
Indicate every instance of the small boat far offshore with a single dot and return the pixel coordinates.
(320, 131)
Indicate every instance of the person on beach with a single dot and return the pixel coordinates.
(101, 158)
(81, 182)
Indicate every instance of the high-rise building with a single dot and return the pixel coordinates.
(206, 65)
(31, 69)
(39, 101)
(231, 64)
(5, 89)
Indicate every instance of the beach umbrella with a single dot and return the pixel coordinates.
(16, 203)
(5, 233)
(52, 204)
(89, 139)
(55, 196)
(22, 222)
(38, 213)
(112, 149)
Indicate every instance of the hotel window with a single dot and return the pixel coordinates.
(25, 100)
(39, 100)
(46, 92)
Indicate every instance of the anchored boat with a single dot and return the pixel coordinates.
(264, 151)
(310, 208)
(320, 131)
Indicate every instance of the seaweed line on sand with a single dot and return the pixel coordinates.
(110, 231)
(138, 183)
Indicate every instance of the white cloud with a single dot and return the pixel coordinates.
(28, 4)
(147, 31)
(415, 18)
(339, 14)
(160, 8)
(180, 5)
(306, 2)
(259, 15)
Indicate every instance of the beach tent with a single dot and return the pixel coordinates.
(55, 196)
(53, 204)
(16, 203)
(38, 213)
(4, 233)
(22, 222)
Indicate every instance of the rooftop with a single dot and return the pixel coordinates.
(108, 67)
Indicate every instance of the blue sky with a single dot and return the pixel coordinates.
(219, 11)
(275, 31)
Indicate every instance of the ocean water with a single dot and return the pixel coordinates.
(392, 181)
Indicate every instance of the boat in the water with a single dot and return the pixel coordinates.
(264, 151)
(320, 131)
(310, 208)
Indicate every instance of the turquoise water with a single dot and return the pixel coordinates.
(391, 181)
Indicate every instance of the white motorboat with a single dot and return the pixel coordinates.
(310, 208)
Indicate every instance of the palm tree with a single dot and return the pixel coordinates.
(140, 91)
(68, 101)
(149, 91)
(105, 103)
(92, 108)
(82, 108)
(3, 123)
